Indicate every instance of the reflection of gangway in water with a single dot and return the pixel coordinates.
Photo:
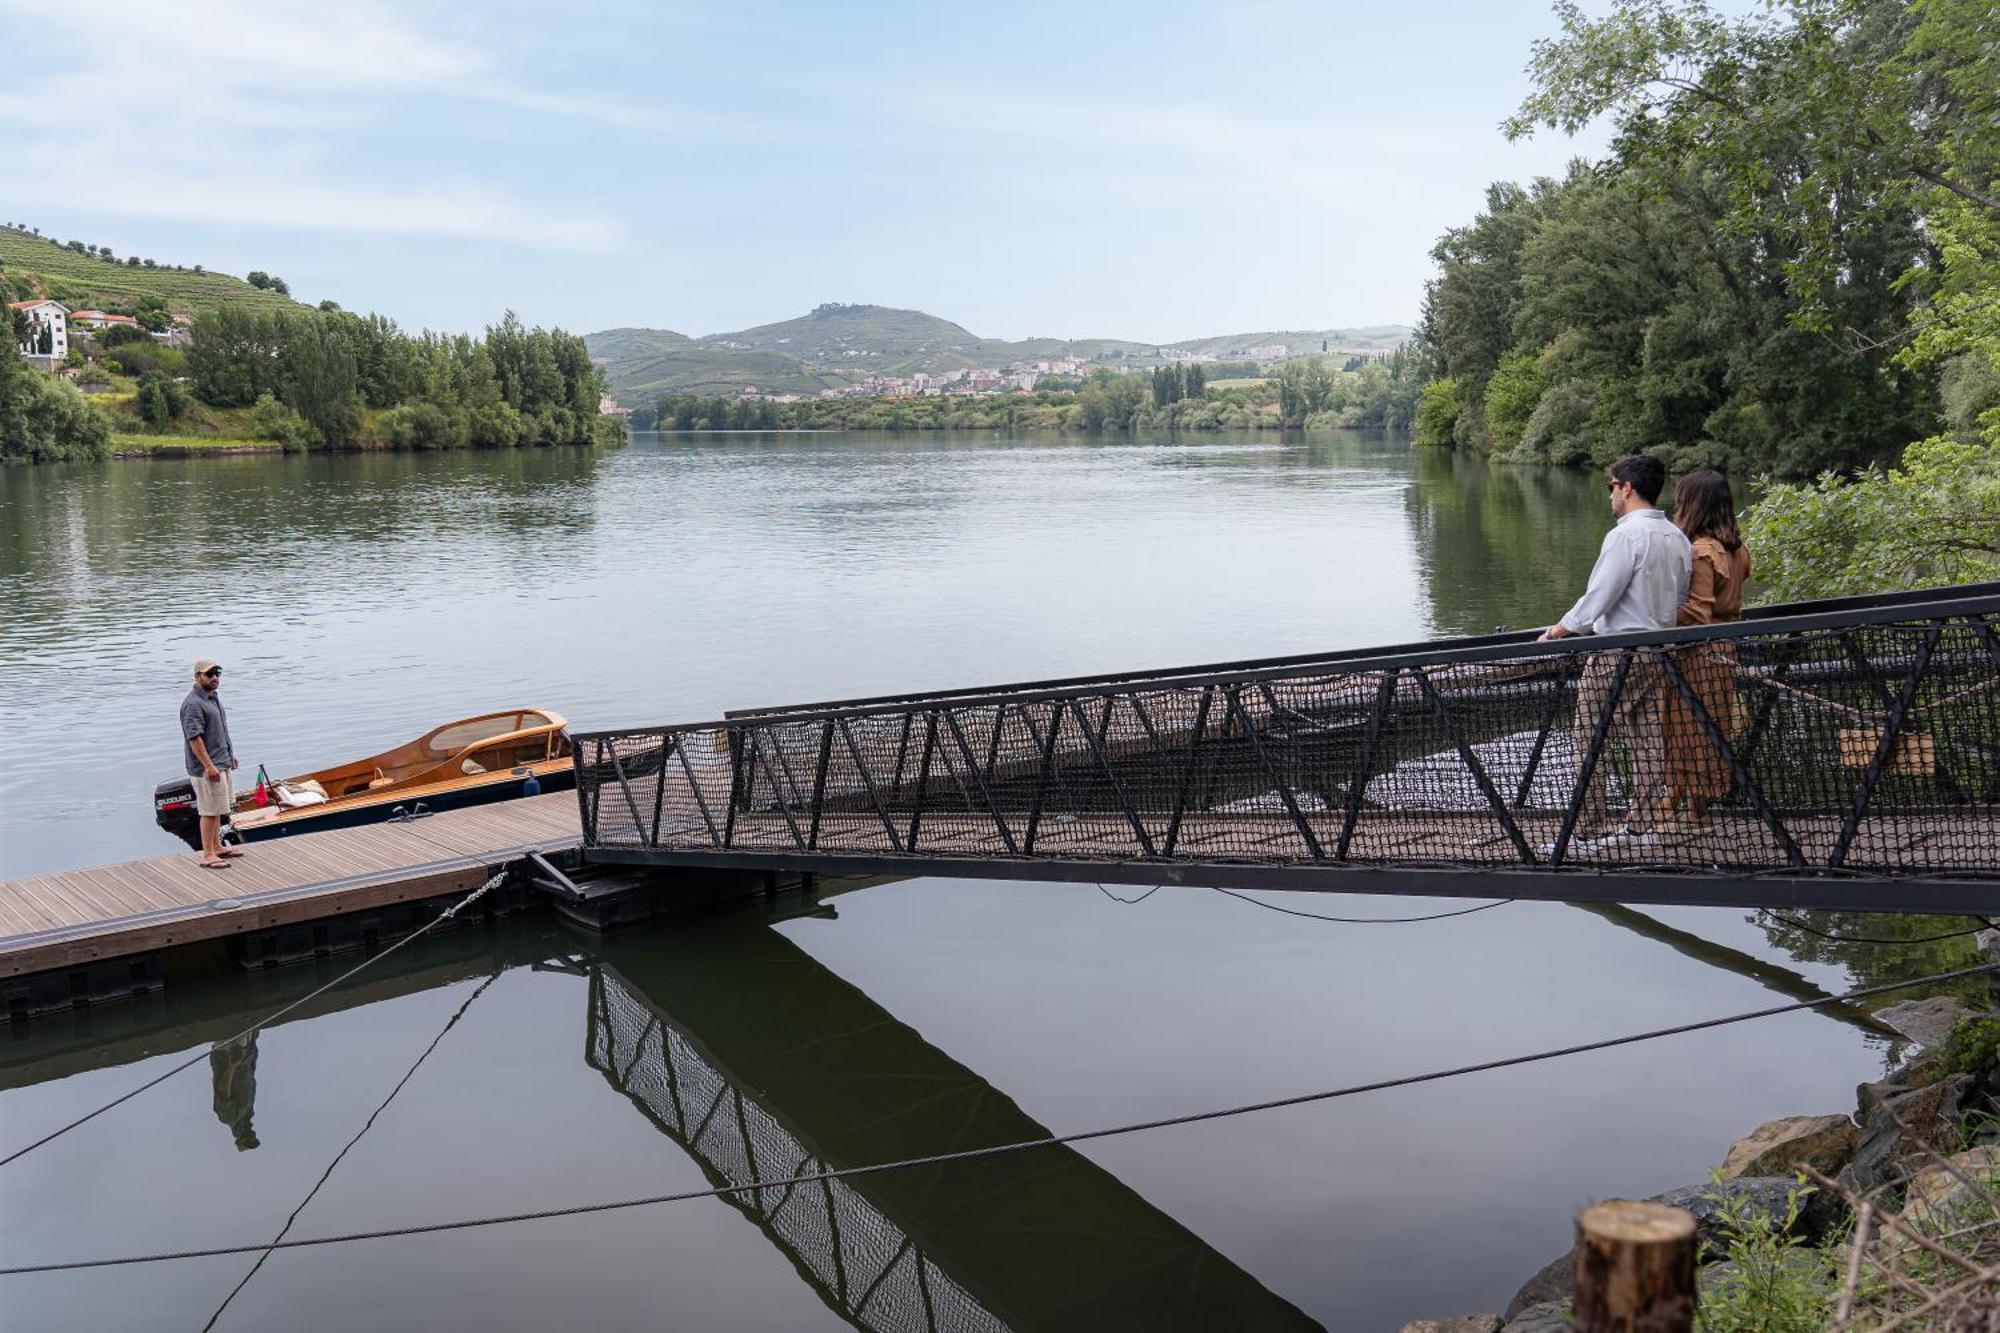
(769, 1066)
(863, 1265)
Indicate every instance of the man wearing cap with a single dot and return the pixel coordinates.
(205, 732)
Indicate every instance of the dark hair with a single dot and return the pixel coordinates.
(1704, 507)
(1643, 473)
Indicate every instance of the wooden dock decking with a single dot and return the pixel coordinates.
(78, 916)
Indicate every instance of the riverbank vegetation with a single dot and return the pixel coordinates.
(1305, 392)
(332, 378)
(300, 379)
(1787, 267)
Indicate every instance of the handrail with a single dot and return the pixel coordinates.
(1750, 614)
(1834, 614)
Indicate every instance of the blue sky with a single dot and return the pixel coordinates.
(1154, 171)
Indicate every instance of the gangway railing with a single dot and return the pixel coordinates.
(864, 1266)
(1830, 754)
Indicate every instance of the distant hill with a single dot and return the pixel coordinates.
(839, 344)
(34, 266)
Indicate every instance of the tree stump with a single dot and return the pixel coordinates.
(1635, 1268)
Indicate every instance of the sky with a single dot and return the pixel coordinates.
(1155, 172)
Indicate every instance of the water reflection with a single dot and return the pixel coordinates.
(232, 1068)
(763, 1064)
(758, 1062)
(1501, 546)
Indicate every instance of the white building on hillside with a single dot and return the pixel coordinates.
(45, 341)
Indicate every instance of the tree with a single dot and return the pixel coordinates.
(44, 418)
(1819, 115)
(1437, 413)
(160, 400)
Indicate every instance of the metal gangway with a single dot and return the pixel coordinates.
(1841, 754)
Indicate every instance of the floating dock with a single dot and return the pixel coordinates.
(77, 917)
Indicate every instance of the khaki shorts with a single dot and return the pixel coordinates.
(212, 799)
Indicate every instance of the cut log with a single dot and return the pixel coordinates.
(1635, 1265)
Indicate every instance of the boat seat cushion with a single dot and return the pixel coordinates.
(471, 766)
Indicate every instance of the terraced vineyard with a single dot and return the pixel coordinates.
(46, 268)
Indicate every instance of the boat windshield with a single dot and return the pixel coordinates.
(449, 740)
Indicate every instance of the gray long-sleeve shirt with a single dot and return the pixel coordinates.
(1640, 578)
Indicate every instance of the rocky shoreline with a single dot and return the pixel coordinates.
(1907, 1143)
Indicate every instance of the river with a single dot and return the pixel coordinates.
(356, 600)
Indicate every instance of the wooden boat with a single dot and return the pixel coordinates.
(472, 761)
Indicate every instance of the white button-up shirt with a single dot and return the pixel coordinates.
(1640, 578)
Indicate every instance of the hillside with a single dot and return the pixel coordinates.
(840, 344)
(45, 267)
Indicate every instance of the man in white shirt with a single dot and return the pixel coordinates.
(1638, 583)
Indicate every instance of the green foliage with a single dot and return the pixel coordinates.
(1933, 520)
(1776, 1287)
(272, 420)
(43, 418)
(160, 400)
(1793, 237)
(80, 278)
(326, 367)
(1110, 402)
(1511, 397)
(1305, 386)
(1973, 1046)
(1437, 413)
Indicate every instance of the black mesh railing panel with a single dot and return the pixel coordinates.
(1857, 743)
(863, 1264)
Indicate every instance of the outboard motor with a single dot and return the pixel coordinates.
(173, 810)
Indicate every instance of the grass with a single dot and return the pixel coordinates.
(1248, 383)
(77, 280)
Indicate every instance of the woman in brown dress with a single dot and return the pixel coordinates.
(1697, 771)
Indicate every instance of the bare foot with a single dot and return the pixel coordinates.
(214, 865)
(231, 852)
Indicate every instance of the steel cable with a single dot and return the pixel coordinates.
(1311, 916)
(999, 1149)
(261, 1023)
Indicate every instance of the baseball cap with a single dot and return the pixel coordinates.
(205, 665)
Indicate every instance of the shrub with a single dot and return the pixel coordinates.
(1437, 413)
(272, 420)
(160, 400)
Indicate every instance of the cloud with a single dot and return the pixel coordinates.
(223, 111)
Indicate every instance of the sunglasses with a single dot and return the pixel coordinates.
(216, 672)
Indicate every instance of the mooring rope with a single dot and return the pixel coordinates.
(261, 1023)
(999, 1149)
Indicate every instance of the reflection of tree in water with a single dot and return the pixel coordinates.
(232, 1065)
(1502, 545)
(1916, 953)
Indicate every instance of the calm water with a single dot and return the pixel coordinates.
(357, 600)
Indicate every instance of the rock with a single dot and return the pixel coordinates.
(1930, 1109)
(1776, 1147)
(1758, 1196)
(1465, 1323)
(1927, 1021)
(1719, 1277)
(1936, 1195)
(1818, 1215)
(1989, 943)
(1547, 1317)
(1555, 1283)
